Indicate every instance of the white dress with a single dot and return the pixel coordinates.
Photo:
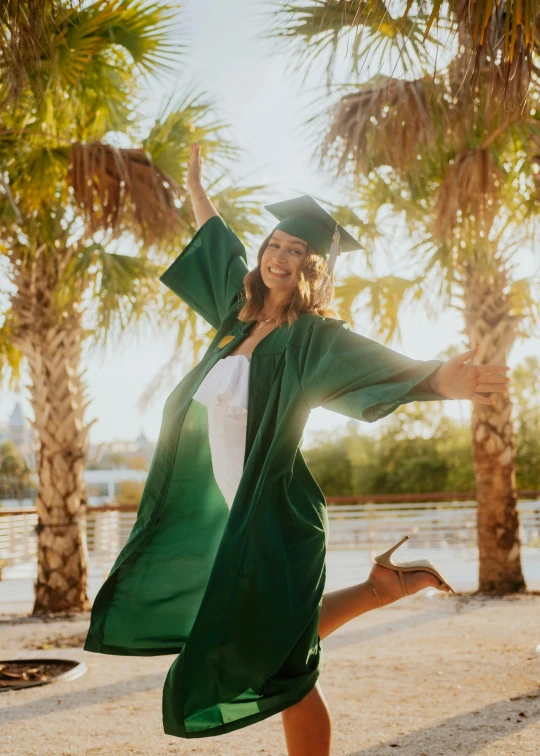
(225, 391)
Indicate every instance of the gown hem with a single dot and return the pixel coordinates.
(104, 648)
(239, 724)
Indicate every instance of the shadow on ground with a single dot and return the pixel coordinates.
(469, 732)
(81, 698)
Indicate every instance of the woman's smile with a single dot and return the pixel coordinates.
(277, 271)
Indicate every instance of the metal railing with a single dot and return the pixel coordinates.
(430, 525)
(352, 526)
(17, 536)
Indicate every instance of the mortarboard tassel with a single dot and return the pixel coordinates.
(327, 288)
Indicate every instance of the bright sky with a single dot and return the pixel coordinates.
(267, 107)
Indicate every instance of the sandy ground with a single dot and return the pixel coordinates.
(439, 676)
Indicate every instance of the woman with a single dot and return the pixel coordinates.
(225, 565)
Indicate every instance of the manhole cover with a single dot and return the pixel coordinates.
(26, 673)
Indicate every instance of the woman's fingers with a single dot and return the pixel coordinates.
(491, 381)
(482, 399)
(494, 378)
(487, 388)
(502, 369)
(470, 353)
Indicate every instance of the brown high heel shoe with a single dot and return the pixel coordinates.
(424, 565)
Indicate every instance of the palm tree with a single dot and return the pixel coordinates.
(500, 36)
(79, 178)
(453, 154)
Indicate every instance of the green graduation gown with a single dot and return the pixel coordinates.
(236, 595)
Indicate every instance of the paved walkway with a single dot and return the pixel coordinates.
(439, 676)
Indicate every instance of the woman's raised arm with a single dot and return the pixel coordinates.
(209, 273)
(202, 207)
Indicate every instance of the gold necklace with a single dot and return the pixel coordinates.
(264, 322)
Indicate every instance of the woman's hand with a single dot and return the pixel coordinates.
(194, 169)
(455, 380)
(203, 209)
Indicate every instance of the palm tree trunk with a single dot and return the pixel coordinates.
(51, 342)
(500, 569)
(491, 326)
(57, 402)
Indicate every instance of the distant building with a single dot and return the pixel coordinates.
(102, 483)
(141, 449)
(20, 431)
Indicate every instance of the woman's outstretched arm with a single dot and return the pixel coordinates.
(348, 373)
(202, 207)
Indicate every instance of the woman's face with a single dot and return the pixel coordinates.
(282, 261)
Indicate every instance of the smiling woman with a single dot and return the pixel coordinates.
(225, 565)
(286, 281)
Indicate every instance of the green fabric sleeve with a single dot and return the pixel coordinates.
(210, 271)
(355, 376)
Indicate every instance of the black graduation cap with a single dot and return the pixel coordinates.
(304, 218)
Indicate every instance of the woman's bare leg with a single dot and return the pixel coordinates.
(307, 725)
(338, 607)
(345, 604)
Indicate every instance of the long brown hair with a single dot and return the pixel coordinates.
(309, 295)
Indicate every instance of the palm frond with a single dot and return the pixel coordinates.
(23, 43)
(387, 122)
(48, 48)
(241, 207)
(531, 138)
(118, 189)
(511, 22)
(10, 355)
(36, 175)
(193, 336)
(525, 305)
(495, 39)
(140, 28)
(181, 123)
(387, 188)
(484, 71)
(122, 288)
(385, 297)
(475, 19)
(375, 38)
(468, 199)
